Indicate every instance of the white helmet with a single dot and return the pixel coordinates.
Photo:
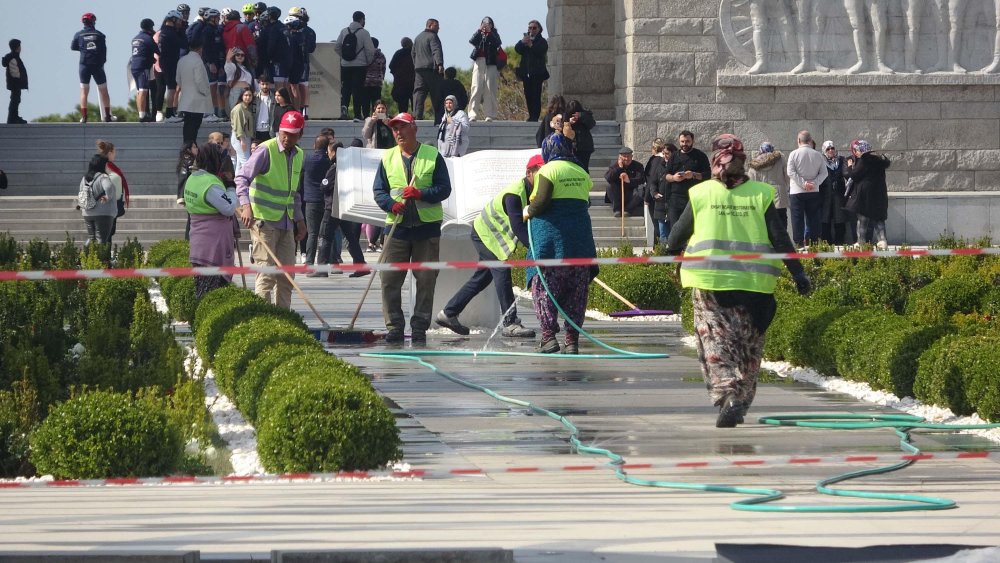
(211, 13)
(226, 12)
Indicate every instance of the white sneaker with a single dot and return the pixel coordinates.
(488, 119)
(180, 201)
(159, 117)
(210, 119)
(882, 245)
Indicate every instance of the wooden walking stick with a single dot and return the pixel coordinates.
(622, 207)
(291, 280)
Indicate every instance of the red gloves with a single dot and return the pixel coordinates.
(410, 192)
(397, 208)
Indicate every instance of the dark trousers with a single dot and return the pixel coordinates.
(399, 250)
(99, 228)
(806, 211)
(329, 252)
(192, 122)
(615, 194)
(533, 98)
(314, 219)
(501, 279)
(584, 158)
(372, 94)
(428, 82)
(158, 91)
(674, 211)
(403, 102)
(15, 105)
(352, 80)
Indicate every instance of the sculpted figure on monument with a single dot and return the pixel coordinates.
(877, 10)
(760, 11)
(995, 65)
(949, 33)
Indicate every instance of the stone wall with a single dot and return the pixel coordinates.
(674, 70)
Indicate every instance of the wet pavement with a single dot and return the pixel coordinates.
(649, 411)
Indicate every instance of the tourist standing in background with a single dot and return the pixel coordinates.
(806, 172)
(403, 75)
(93, 50)
(282, 105)
(452, 86)
(17, 80)
(623, 177)
(582, 120)
(170, 42)
(376, 131)
(107, 150)
(196, 95)
(314, 171)
(99, 218)
(374, 76)
(485, 76)
(834, 216)
(532, 71)
(428, 64)
(869, 194)
(656, 167)
(238, 77)
(685, 169)
(356, 50)
(265, 109)
(557, 106)
(144, 50)
(770, 167)
(241, 119)
(453, 132)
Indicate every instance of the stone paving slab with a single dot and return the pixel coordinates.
(652, 411)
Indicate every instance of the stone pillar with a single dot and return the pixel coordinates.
(581, 36)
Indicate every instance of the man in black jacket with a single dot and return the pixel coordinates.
(623, 177)
(685, 169)
(533, 49)
(428, 63)
(17, 80)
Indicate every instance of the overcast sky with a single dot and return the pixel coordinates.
(46, 28)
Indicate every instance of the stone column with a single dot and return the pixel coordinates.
(581, 36)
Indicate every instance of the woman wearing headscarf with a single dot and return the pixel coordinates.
(733, 301)
(100, 218)
(211, 207)
(559, 227)
(868, 195)
(833, 215)
(485, 75)
(453, 133)
(770, 167)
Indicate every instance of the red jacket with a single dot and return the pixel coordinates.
(238, 34)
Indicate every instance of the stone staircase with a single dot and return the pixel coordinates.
(44, 163)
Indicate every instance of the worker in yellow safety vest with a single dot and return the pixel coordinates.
(411, 182)
(733, 300)
(496, 232)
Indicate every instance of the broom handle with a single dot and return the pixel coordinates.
(615, 294)
(291, 280)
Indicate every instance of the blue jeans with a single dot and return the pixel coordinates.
(663, 228)
(806, 210)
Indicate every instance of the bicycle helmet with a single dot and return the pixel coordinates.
(274, 13)
(88, 18)
(184, 9)
(295, 11)
(211, 13)
(247, 8)
(201, 12)
(260, 7)
(225, 13)
(173, 15)
(292, 22)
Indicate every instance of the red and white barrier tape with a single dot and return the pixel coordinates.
(471, 265)
(417, 473)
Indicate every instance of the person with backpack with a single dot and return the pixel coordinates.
(97, 200)
(356, 50)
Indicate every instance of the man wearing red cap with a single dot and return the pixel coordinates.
(495, 234)
(270, 203)
(411, 183)
(93, 54)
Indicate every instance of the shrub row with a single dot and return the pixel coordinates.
(178, 292)
(312, 411)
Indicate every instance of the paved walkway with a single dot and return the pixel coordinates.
(652, 411)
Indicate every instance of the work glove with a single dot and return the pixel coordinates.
(410, 192)
(802, 284)
(397, 208)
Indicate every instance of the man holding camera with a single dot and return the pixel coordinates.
(686, 169)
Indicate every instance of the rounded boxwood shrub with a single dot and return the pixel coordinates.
(879, 283)
(942, 298)
(979, 361)
(111, 300)
(217, 315)
(939, 379)
(651, 286)
(850, 338)
(221, 298)
(778, 337)
(162, 252)
(807, 345)
(103, 434)
(180, 298)
(246, 339)
(324, 366)
(250, 385)
(316, 424)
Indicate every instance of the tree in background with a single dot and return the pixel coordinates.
(123, 114)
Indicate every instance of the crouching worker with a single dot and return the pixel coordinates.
(495, 234)
(733, 301)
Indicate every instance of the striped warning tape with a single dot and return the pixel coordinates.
(472, 265)
(437, 473)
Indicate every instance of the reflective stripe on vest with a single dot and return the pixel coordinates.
(272, 194)
(493, 224)
(196, 188)
(730, 222)
(569, 181)
(423, 177)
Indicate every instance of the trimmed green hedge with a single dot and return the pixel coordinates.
(250, 385)
(316, 423)
(651, 286)
(102, 434)
(163, 252)
(942, 298)
(960, 372)
(222, 309)
(247, 338)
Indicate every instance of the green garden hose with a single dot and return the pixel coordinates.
(762, 498)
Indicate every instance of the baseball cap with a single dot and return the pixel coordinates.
(402, 119)
(292, 122)
(535, 161)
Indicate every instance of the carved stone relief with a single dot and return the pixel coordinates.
(862, 36)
